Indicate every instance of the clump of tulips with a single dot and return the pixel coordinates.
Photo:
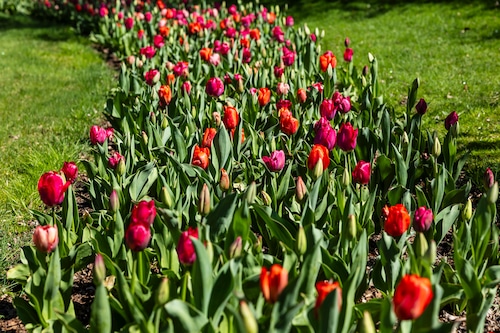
(242, 183)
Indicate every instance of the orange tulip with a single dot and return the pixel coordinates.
(255, 34)
(273, 282)
(208, 137)
(165, 94)
(245, 43)
(205, 53)
(324, 288)
(412, 296)
(194, 28)
(170, 78)
(318, 152)
(231, 117)
(201, 157)
(328, 58)
(164, 31)
(397, 220)
(264, 96)
(301, 95)
(288, 124)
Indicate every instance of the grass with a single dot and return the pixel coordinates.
(452, 46)
(53, 88)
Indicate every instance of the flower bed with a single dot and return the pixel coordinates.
(242, 179)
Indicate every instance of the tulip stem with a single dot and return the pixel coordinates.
(184, 286)
(134, 275)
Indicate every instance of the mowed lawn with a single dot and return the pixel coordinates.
(53, 87)
(452, 46)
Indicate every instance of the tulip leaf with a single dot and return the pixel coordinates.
(220, 218)
(222, 148)
(401, 167)
(100, 316)
(492, 277)
(73, 325)
(185, 317)
(222, 290)
(284, 183)
(276, 227)
(142, 182)
(444, 221)
(202, 277)
(329, 312)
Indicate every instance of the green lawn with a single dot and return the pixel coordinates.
(53, 88)
(453, 47)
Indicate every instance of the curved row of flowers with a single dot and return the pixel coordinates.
(246, 181)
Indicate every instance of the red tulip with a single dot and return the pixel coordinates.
(273, 282)
(348, 53)
(46, 238)
(152, 76)
(70, 171)
(421, 106)
(144, 213)
(201, 157)
(137, 236)
(208, 137)
(185, 247)
(397, 220)
(318, 152)
(412, 296)
(264, 96)
(158, 41)
(231, 117)
(324, 288)
(51, 188)
(361, 173)
(301, 95)
(288, 124)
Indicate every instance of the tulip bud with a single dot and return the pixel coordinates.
(492, 194)
(365, 324)
(165, 197)
(421, 245)
(266, 198)
(248, 317)
(163, 292)
(366, 70)
(164, 123)
(488, 179)
(144, 138)
(318, 169)
(300, 189)
(347, 42)
(210, 250)
(352, 226)
(405, 140)
(99, 270)
(346, 178)
(421, 107)
(224, 183)
(114, 201)
(121, 168)
(258, 245)
(241, 87)
(301, 242)
(204, 203)
(436, 148)
(235, 248)
(217, 118)
(467, 211)
(153, 117)
(251, 193)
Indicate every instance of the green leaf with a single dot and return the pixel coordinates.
(142, 182)
(401, 167)
(202, 277)
(444, 220)
(329, 313)
(284, 182)
(222, 290)
(275, 226)
(70, 323)
(185, 317)
(100, 316)
(491, 277)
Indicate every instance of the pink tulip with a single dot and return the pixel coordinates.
(115, 159)
(361, 173)
(346, 137)
(97, 135)
(325, 134)
(46, 238)
(152, 76)
(144, 213)
(327, 109)
(214, 87)
(422, 219)
(276, 161)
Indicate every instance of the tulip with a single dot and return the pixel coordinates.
(208, 137)
(361, 173)
(181, 69)
(278, 71)
(158, 41)
(318, 152)
(215, 59)
(283, 104)
(201, 157)
(278, 34)
(324, 288)
(273, 282)
(140, 34)
(422, 219)
(214, 87)
(288, 57)
(115, 160)
(325, 134)
(282, 88)
(300, 189)
(276, 161)
(137, 236)
(421, 107)
(224, 182)
(255, 34)
(301, 95)
(97, 135)
(289, 21)
(451, 120)
(99, 272)
(231, 117)
(236, 248)
(165, 95)
(346, 137)
(148, 51)
(51, 187)
(412, 296)
(397, 220)
(249, 321)
(488, 179)
(46, 238)
(144, 213)
(185, 248)
(327, 109)
(301, 241)
(327, 59)
(348, 53)
(152, 76)
(205, 53)
(186, 87)
(129, 23)
(264, 96)
(204, 201)
(70, 171)
(114, 201)
(344, 105)
(288, 124)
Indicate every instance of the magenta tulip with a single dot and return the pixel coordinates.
(144, 213)
(422, 219)
(137, 236)
(51, 188)
(185, 247)
(325, 134)
(346, 137)
(70, 171)
(214, 87)
(361, 173)
(276, 161)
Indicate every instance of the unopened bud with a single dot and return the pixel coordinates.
(301, 242)
(366, 70)
(467, 211)
(163, 292)
(488, 179)
(114, 201)
(266, 198)
(236, 248)
(217, 118)
(366, 324)
(258, 245)
(164, 123)
(166, 197)
(121, 168)
(210, 250)
(204, 203)
(352, 226)
(251, 193)
(421, 245)
(153, 117)
(99, 270)
(346, 177)
(248, 318)
(300, 189)
(492, 194)
(436, 148)
(87, 218)
(144, 138)
(224, 183)
(318, 169)
(241, 87)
